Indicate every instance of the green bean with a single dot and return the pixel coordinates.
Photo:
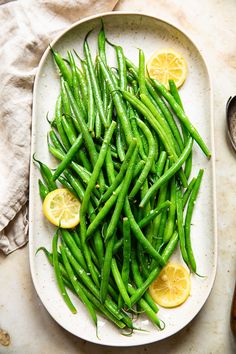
(119, 143)
(80, 170)
(75, 83)
(161, 163)
(150, 159)
(148, 310)
(188, 218)
(43, 190)
(84, 130)
(143, 261)
(78, 85)
(95, 86)
(103, 212)
(70, 133)
(102, 44)
(58, 275)
(65, 72)
(59, 125)
(170, 225)
(126, 256)
(66, 110)
(161, 230)
(171, 171)
(117, 246)
(119, 282)
(106, 269)
(83, 86)
(81, 273)
(98, 126)
(96, 170)
(122, 171)
(56, 142)
(67, 185)
(160, 105)
(118, 102)
(169, 249)
(175, 94)
(140, 236)
(156, 223)
(69, 241)
(90, 187)
(152, 121)
(88, 293)
(133, 121)
(110, 167)
(46, 174)
(122, 195)
(161, 120)
(141, 73)
(180, 225)
(188, 192)
(68, 157)
(153, 213)
(76, 286)
(100, 307)
(121, 68)
(139, 281)
(109, 111)
(91, 103)
(182, 116)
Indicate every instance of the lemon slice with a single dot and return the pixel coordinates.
(62, 208)
(166, 64)
(172, 286)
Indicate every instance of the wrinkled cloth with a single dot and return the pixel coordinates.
(27, 27)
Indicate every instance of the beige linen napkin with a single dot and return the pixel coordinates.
(27, 27)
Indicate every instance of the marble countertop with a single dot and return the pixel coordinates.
(211, 25)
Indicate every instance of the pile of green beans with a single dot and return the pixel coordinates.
(121, 153)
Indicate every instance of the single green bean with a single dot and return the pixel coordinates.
(43, 190)
(153, 213)
(180, 225)
(188, 192)
(68, 157)
(126, 256)
(119, 143)
(119, 282)
(188, 218)
(161, 163)
(141, 73)
(65, 72)
(170, 225)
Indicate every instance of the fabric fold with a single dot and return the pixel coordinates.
(27, 27)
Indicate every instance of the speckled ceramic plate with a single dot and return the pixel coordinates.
(130, 31)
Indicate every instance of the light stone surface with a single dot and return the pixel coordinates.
(211, 25)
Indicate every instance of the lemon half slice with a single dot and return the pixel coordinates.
(165, 65)
(62, 208)
(172, 286)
